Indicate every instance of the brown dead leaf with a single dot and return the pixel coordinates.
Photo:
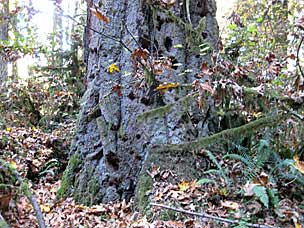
(4, 201)
(230, 204)
(140, 53)
(205, 71)
(248, 188)
(166, 173)
(299, 165)
(155, 171)
(261, 179)
(167, 3)
(117, 89)
(99, 15)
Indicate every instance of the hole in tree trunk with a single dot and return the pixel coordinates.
(113, 160)
(168, 43)
(204, 35)
(160, 23)
(145, 42)
(131, 96)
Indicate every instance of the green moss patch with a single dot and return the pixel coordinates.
(68, 177)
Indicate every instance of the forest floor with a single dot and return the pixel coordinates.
(41, 158)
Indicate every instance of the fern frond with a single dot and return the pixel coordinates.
(250, 169)
(218, 165)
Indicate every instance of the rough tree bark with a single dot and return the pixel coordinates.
(57, 35)
(112, 149)
(4, 16)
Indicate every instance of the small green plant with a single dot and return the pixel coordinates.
(219, 167)
(261, 193)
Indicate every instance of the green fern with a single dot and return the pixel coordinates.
(290, 174)
(261, 193)
(220, 169)
(205, 181)
(273, 195)
(254, 159)
(250, 169)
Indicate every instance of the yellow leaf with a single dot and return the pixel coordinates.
(257, 114)
(299, 165)
(184, 185)
(13, 164)
(167, 85)
(45, 208)
(99, 15)
(223, 192)
(8, 129)
(82, 207)
(113, 68)
(297, 225)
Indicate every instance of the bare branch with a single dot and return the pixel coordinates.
(27, 192)
(3, 223)
(298, 60)
(204, 215)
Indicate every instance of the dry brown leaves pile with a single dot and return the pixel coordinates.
(215, 197)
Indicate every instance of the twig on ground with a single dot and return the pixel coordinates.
(29, 195)
(298, 58)
(3, 223)
(204, 215)
(33, 201)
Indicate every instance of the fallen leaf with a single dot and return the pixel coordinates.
(168, 3)
(99, 15)
(262, 179)
(298, 225)
(4, 201)
(141, 53)
(167, 85)
(230, 204)
(13, 164)
(112, 68)
(299, 165)
(184, 185)
(45, 208)
(154, 171)
(248, 188)
(117, 89)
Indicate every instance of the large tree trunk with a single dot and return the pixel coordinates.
(112, 149)
(4, 16)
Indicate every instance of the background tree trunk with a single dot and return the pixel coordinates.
(57, 42)
(111, 148)
(4, 17)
